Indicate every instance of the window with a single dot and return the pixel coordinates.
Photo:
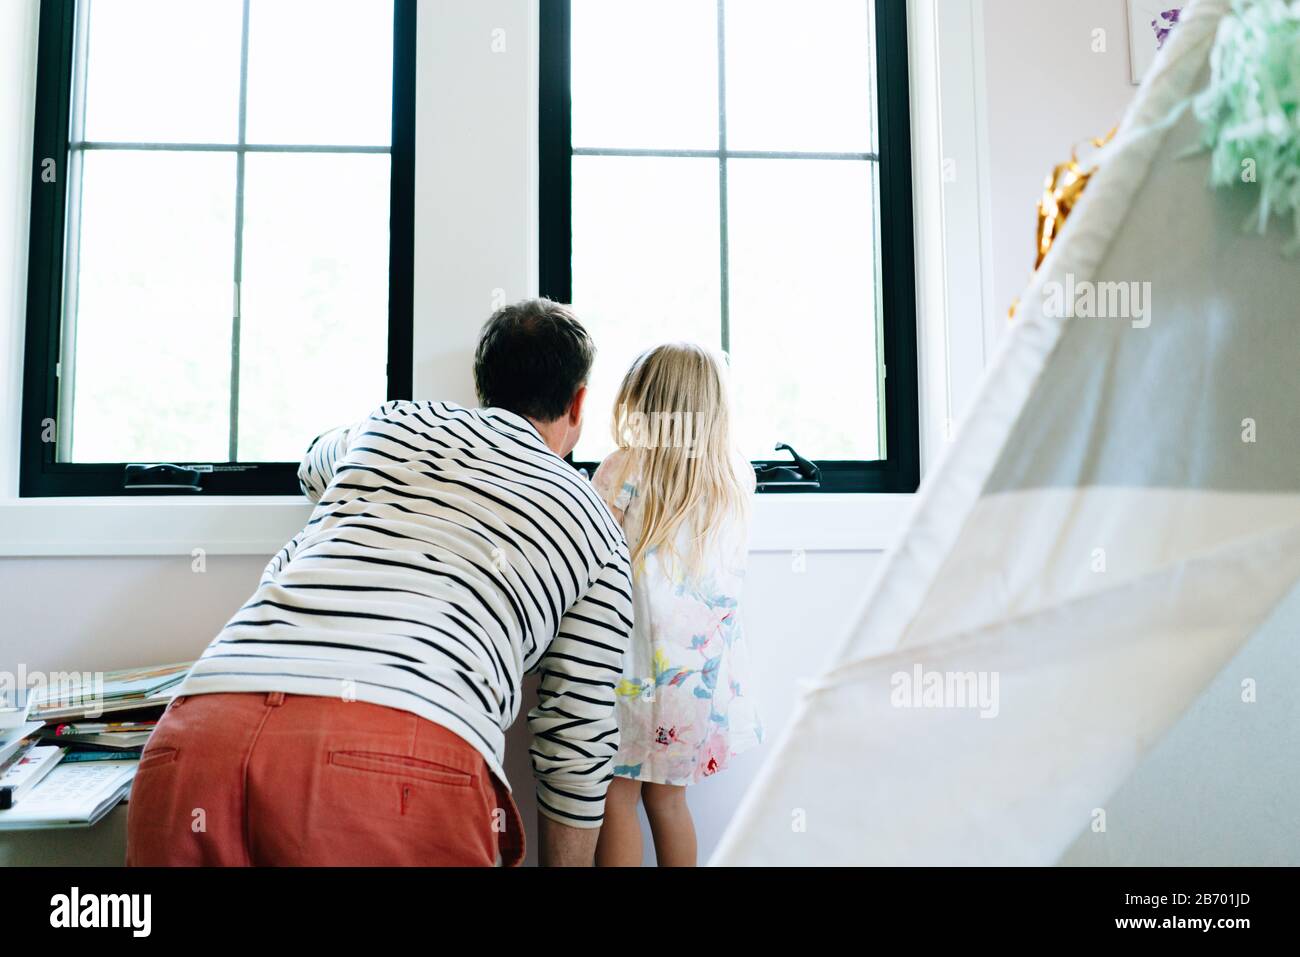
(221, 242)
(738, 173)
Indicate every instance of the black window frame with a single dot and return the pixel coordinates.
(899, 471)
(40, 475)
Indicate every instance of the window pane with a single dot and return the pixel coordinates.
(803, 280)
(163, 71)
(314, 327)
(645, 75)
(800, 76)
(153, 316)
(645, 267)
(320, 71)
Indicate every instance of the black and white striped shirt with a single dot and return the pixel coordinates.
(450, 552)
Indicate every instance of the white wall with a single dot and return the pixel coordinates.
(17, 103)
(1047, 91)
(476, 180)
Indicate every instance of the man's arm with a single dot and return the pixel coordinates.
(575, 731)
(316, 470)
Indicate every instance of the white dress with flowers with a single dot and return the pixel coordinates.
(684, 702)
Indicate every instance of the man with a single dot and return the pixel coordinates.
(354, 710)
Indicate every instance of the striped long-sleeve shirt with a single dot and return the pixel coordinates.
(450, 553)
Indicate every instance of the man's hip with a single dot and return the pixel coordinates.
(262, 778)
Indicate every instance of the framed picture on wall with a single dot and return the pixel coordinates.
(1149, 25)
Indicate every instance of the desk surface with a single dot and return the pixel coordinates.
(103, 845)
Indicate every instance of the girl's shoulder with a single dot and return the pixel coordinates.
(614, 481)
(617, 480)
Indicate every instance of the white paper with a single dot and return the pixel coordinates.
(72, 795)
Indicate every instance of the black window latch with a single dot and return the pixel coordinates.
(800, 477)
(162, 476)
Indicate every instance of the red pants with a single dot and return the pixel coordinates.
(281, 779)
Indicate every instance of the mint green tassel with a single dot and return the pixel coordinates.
(1250, 112)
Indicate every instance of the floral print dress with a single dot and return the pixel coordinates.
(684, 703)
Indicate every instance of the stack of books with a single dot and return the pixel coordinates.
(135, 689)
(62, 762)
(23, 762)
(98, 740)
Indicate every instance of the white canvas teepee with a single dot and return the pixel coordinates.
(1119, 513)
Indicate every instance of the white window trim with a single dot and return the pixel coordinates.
(453, 47)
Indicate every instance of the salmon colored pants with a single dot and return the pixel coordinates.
(281, 779)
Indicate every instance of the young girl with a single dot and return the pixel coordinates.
(681, 492)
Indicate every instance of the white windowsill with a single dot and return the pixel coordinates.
(248, 525)
(159, 525)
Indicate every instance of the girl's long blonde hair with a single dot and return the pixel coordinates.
(672, 418)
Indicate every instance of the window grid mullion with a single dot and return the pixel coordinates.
(66, 368)
(237, 304)
(724, 251)
(723, 153)
(87, 145)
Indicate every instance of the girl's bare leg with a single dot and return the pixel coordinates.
(670, 824)
(620, 834)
